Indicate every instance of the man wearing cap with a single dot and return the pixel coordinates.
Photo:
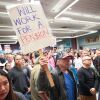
(65, 85)
(88, 80)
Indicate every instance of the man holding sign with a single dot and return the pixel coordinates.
(65, 85)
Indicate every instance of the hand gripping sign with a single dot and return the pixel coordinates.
(32, 29)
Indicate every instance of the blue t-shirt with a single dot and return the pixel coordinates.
(69, 84)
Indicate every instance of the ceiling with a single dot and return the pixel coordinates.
(67, 18)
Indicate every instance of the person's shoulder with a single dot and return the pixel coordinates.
(35, 69)
(81, 70)
(11, 71)
(20, 96)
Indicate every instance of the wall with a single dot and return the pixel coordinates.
(89, 41)
(65, 44)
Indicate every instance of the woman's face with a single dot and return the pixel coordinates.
(4, 87)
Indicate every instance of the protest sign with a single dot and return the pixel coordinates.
(31, 27)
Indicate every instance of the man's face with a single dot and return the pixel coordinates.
(9, 57)
(87, 62)
(19, 60)
(64, 64)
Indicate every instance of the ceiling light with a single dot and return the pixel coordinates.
(93, 31)
(65, 18)
(12, 36)
(62, 32)
(5, 3)
(85, 34)
(65, 37)
(35, 1)
(6, 27)
(4, 13)
(7, 30)
(82, 15)
(19, 0)
(73, 3)
(58, 40)
(26, 1)
(59, 5)
(70, 29)
(75, 21)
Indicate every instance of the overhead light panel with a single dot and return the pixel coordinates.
(10, 30)
(65, 37)
(65, 18)
(5, 13)
(82, 15)
(58, 40)
(91, 32)
(59, 5)
(71, 29)
(69, 6)
(6, 27)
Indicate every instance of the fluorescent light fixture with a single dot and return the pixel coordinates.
(8, 40)
(19, 0)
(6, 27)
(13, 37)
(82, 15)
(70, 29)
(76, 21)
(65, 37)
(4, 13)
(58, 40)
(5, 3)
(7, 30)
(35, 1)
(62, 32)
(93, 31)
(26, 1)
(73, 3)
(65, 18)
(59, 5)
(85, 34)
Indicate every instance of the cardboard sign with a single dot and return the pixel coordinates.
(31, 27)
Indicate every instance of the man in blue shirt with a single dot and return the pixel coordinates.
(64, 80)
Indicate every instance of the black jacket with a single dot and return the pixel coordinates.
(87, 80)
(96, 63)
(59, 91)
(19, 80)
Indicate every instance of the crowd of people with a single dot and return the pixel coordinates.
(75, 75)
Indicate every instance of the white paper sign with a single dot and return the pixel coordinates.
(31, 27)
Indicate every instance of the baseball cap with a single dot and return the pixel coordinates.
(66, 57)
